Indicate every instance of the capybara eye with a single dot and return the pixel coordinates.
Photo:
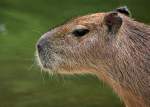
(80, 32)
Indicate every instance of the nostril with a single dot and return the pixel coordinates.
(42, 44)
(39, 47)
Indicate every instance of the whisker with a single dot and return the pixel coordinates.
(63, 79)
(50, 74)
(42, 75)
(32, 65)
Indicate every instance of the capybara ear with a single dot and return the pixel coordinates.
(123, 10)
(113, 21)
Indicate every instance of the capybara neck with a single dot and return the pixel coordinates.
(129, 66)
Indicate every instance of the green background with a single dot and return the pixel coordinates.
(22, 84)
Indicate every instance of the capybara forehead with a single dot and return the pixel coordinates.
(90, 21)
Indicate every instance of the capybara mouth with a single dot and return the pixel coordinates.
(41, 60)
(44, 54)
(46, 62)
(47, 57)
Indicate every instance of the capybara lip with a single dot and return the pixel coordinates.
(46, 59)
(44, 62)
(44, 53)
(44, 65)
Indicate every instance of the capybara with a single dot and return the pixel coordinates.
(110, 45)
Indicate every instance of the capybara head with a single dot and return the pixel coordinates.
(82, 44)
(111, 45)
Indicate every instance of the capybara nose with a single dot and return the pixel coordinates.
(41, 45)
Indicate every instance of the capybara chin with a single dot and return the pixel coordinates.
(110, 45)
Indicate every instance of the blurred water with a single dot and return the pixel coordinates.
(2, 28)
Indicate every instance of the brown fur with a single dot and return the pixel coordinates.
(122, 59)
